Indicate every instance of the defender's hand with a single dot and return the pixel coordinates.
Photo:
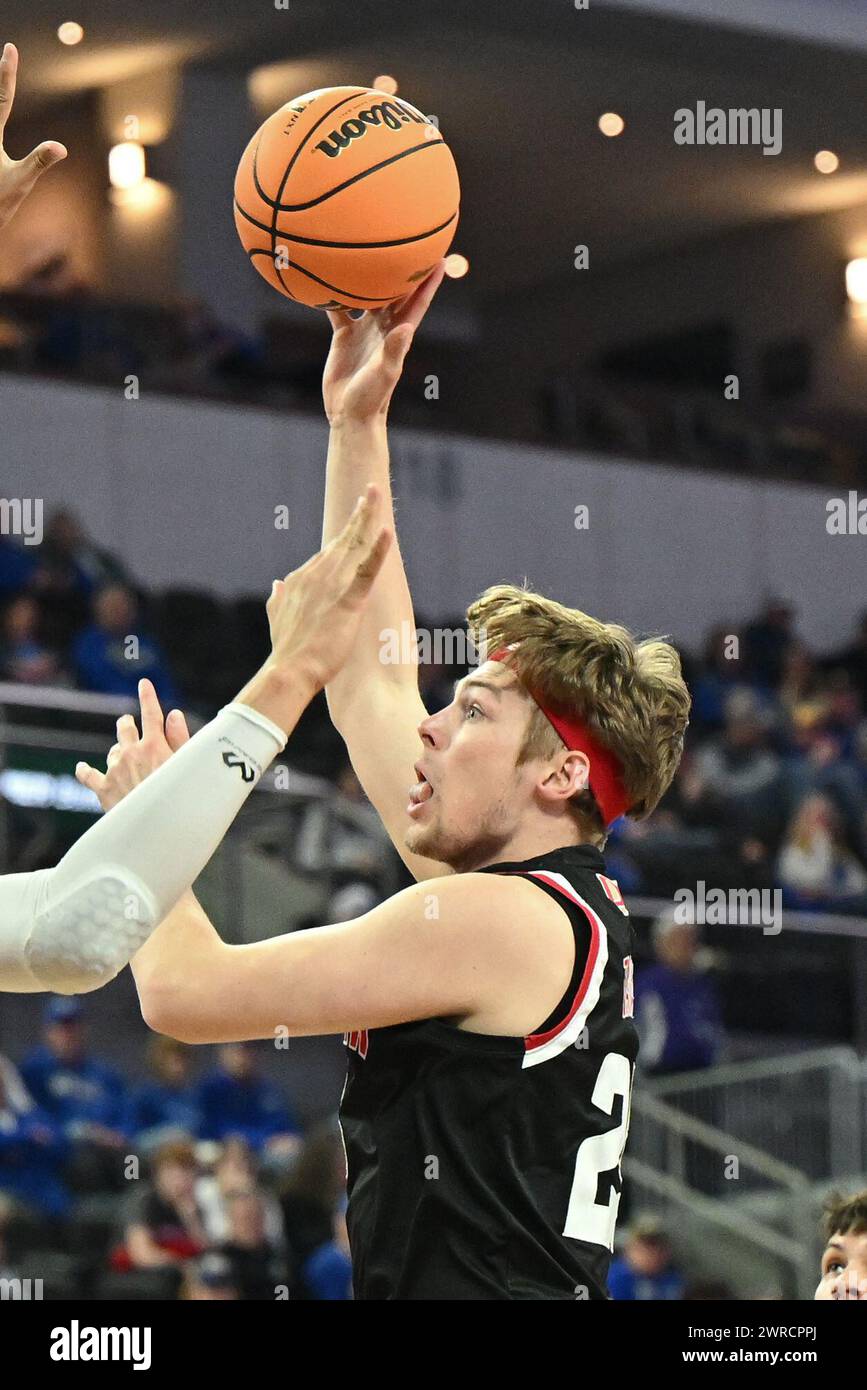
(17, 176)
(132, 759)
(314, 613)
(367, 353)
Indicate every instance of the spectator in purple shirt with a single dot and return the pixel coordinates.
(677, 1010)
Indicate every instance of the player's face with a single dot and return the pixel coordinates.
(475, 796)
(844, 1267)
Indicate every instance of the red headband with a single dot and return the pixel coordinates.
(605, 778)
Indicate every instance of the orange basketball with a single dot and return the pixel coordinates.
(346, 197)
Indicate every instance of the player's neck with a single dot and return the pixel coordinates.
(530, 842)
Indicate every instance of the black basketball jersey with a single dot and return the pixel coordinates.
(488, 1167)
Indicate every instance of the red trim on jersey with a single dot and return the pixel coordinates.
(540, 1039)
(611, 889)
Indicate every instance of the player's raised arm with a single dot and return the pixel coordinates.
(17, 176)
(375, 705)
(73, 928)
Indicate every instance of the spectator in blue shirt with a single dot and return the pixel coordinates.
(236, 1101)
(677, 1009)
(165, 1106)
(84, 1098)
(327, 1272)
(32, 1150)
(114, 654)
(645, 1270)
(70, 562)
(18, 565)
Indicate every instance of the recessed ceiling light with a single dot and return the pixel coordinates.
(70, 33)
(611, 123)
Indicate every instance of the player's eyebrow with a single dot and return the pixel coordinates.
(464, 684)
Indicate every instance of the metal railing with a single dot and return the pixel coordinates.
(807, 1109)
(738, 1159)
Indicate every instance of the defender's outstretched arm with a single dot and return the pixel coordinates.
(73, 928)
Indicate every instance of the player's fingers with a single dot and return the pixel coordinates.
(8, 74)
(127, 731)
(177, 730)
(89, 777)
(397, 344)
(417, 304)
(152, 721)
(114, 753)
(339, 318)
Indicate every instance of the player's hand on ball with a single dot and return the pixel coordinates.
(134, 758)
(17, 176)
(314, 613)
(367, 353)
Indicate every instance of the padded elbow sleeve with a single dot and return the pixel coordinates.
(84, 937)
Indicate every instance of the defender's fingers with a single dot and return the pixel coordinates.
(152, 721)
(346, 542)
(177, 730)
(369, 567)
(359, 529)
(8, 76)
(38, 160)
(89, 777)
(127, 731)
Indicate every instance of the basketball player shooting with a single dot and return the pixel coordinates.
(487, 1009)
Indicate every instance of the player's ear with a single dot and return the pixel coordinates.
(567, 778)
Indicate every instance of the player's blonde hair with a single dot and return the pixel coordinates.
(630, 694)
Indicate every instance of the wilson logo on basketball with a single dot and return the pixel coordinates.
(296, 112)
(388, 113)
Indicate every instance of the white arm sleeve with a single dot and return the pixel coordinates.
(73, 928)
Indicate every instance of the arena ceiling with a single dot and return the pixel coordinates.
(518, 89)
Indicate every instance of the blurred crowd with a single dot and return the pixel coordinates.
(772, 790)
(180, 1185)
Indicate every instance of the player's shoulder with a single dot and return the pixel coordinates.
(472, 890)
(492, 906)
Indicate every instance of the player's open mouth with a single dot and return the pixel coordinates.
(420, 793)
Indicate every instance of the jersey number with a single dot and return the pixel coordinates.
(588, 1218)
